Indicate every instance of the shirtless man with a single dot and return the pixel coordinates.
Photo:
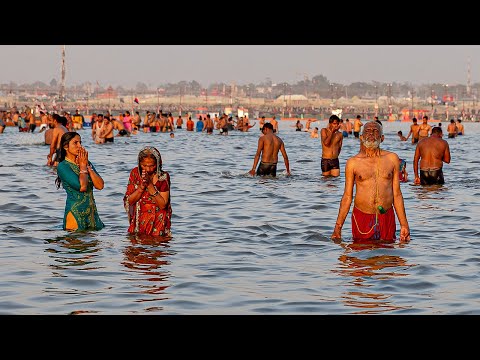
(118, 125)
(314, 133)
(452, 129)
(179, 122)
(414, 129)
(332, 140)
(268, 146)
(308, 124)
(108, 129)
(357, 125)
(274, 122)
(59, 123)
(208, 125)
(374, 172)
(348, 126)
(400, 135)
(433, 152)
(425, 129)
(461, 130)
(261, 122)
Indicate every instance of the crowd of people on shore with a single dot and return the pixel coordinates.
(147, 197)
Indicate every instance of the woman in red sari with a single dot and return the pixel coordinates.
(147, 199)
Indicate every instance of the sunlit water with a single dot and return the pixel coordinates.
(241, 245)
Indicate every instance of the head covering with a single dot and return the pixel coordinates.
(147, 150)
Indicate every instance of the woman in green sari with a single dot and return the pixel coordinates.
(78, 177)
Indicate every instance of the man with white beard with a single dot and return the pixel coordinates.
(375, 173)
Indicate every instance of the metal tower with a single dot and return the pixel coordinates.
(62, 85)
(468, 77)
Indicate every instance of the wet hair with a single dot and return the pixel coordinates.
(399, 132)
(425, 117)
(333, 118)
(414, 119)
(437, 130)
(268, 126)
(64, 141)
(378, 121)
(459, 120)
(359, 116)
(63, 120)
(452, 121)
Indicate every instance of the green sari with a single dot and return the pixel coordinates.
(80, 204)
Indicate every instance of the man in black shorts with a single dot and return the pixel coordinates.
(268, 146)
(332, 140)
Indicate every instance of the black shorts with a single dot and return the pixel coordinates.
(415, 140)
(179, 126)
(109, 140)
(123, 132)
(330, 164)
(356, 134)
(267, 169)
(431, 177)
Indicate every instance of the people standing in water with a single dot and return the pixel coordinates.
(268, 147)
(357, 125)
(461, 130)
(274, 123)
(375, 173)
(59, 124)
(147, 198)
(424, 130)
(452, 129)
(78, 177)
(332, 140)
(414, 129)
(432, 152)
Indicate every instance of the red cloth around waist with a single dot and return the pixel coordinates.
(373, 226)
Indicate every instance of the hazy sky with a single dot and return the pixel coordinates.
(159, 64)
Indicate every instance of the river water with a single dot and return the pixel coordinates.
(241, 244)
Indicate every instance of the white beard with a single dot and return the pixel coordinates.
(372, 144)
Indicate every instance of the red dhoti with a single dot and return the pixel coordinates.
(373, 226)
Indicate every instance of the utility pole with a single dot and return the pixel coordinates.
(62, 85)
(468, 77)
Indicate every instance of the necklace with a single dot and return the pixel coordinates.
(379, 208)
(70, 161)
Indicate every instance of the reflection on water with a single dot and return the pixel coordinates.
(240, 245)
(358, 264)
(147, 256)
(73, 251)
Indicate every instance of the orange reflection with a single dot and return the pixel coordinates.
(75, 252)
(363, 270)
(147, 256)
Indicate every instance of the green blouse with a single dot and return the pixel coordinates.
(80, 204)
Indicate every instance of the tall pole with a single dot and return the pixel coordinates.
(432, 100)
(62, 85)
(468, 77)
(413, 94)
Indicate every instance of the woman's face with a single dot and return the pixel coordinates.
(74, 145)
(148, 165)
